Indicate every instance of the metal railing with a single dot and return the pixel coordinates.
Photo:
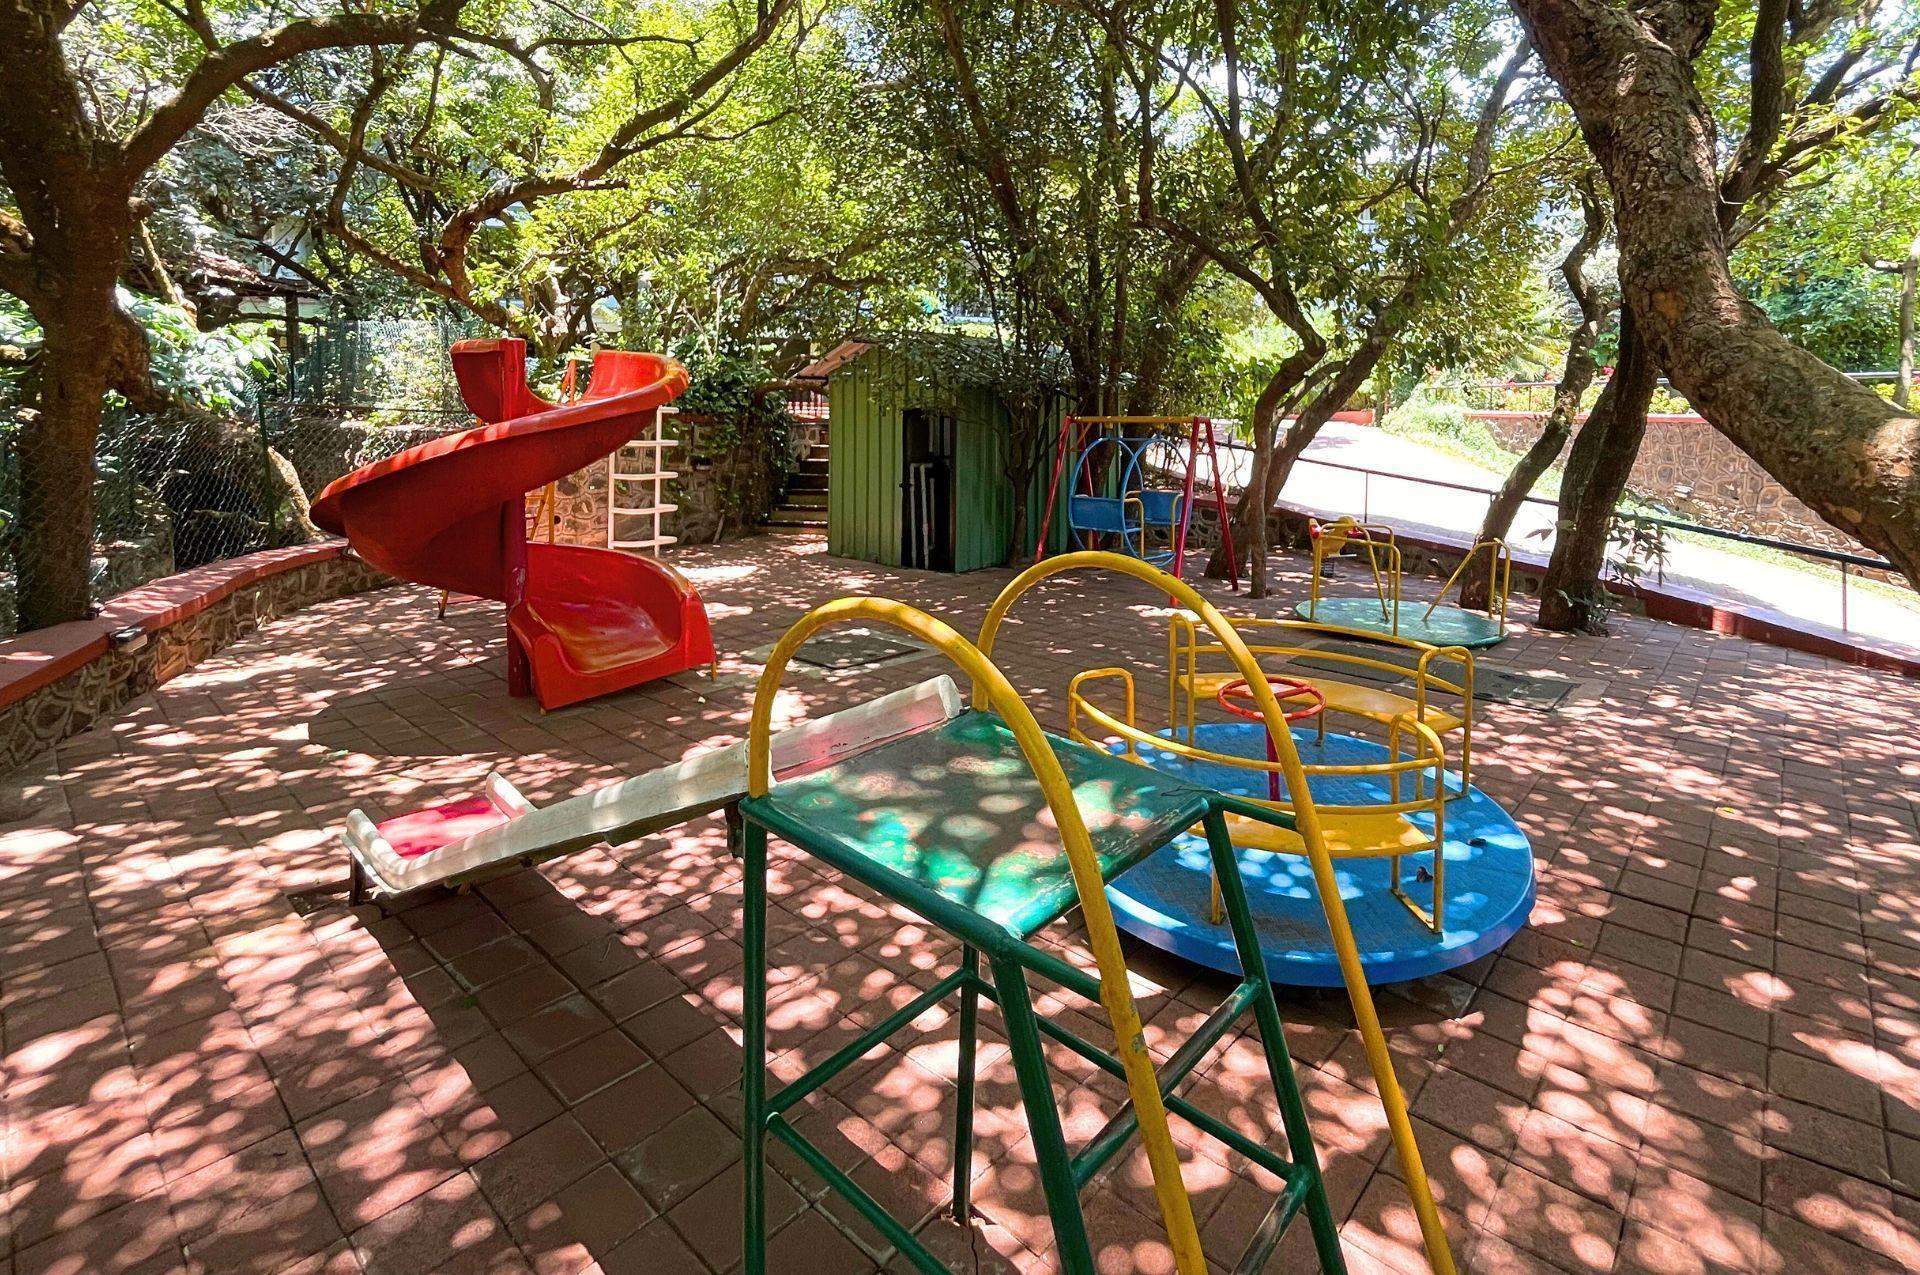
(1841, 558)
(1535, 398)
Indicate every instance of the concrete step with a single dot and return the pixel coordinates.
(797, 518)
(805, 500)
(808, 480)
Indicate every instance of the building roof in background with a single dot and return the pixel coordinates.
(832, 361)
(209, 269)
(961, 358)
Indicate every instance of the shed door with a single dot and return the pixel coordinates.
(926, 490)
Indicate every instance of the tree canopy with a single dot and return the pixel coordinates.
(1263, 208)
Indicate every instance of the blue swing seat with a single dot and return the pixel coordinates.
(1160, 507)
(1101, 513)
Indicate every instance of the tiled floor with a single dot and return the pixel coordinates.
(1703, 1056)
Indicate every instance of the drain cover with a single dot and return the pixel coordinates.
(852, 648)
(318, 899)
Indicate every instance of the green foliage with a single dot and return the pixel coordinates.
(1820, 265)
(1846, 316)
(215, 370)
(1435, 410)
(1241, 361)
(1436, 413)
(728, 389)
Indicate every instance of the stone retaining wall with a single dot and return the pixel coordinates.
(1689, 466)
(580, 506)
(718, 496)
(104, 683)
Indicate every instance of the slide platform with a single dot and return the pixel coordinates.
(581, 622)
(473, 838)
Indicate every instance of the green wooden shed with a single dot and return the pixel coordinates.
(916, 463)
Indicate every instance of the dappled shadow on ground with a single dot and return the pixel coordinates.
(1701, 1056)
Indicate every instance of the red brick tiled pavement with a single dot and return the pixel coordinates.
(1703, 1056)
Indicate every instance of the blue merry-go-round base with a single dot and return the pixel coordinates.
(1165, 900)
(1447, 626)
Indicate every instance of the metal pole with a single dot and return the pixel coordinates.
(1366, 497)
(1843, 597)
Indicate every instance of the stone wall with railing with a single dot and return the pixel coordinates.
(1688, 466)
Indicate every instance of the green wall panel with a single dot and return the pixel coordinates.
(867, 399)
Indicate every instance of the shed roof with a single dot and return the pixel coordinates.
(832, 361)
(963, 358)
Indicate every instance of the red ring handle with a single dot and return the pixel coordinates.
(1237, 697)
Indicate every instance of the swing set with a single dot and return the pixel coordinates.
(1112, 491)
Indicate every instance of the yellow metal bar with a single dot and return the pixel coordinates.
(1425, 680)
(1077, 703)
(992, 690)
(1499, 575)
(1464, 689)
(1307, 824)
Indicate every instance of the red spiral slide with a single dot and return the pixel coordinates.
(581, 622)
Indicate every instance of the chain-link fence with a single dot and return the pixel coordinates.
(178, 490)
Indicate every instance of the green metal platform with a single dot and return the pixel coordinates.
(952, 824)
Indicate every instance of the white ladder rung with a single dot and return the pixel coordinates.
(648, 454)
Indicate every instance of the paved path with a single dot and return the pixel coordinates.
(1702, 1056)
(1735, 578)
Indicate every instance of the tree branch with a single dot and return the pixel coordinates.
(334, 138)
(1766, 112)
(228, 64)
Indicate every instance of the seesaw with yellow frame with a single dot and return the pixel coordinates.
(1440, 624)
(950, 821)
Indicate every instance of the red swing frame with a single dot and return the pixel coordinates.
(1074, 433)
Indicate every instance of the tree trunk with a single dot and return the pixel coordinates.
(1627, 74)
(1572, 598)
(1338, 393)
(1909, 285)
(53, 549)
(1251, 512)
(1476, 586)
